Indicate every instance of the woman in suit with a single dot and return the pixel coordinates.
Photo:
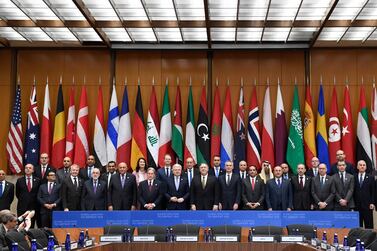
(140, 171)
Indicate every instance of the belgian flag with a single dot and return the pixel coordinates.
(58, 141)
(139, 142)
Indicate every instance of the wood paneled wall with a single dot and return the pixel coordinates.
(258, 66)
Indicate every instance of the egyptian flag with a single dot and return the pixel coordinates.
(58, 140)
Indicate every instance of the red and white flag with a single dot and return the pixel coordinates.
(267, 131)
(46, 124)
(334, 128)
(253, 146)
(71, 126)
(99, 138)
(373, 127)
(82, 131)
(348, 143)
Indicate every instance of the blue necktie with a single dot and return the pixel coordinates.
(278, 182)
(1, 188)
(190, 177)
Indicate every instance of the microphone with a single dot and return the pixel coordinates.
(109, 228)
(147, 229)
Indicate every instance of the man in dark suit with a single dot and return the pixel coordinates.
(86, 173)
(150, 191)
(178, 193)
(287, 175)
(253, 190)
(8, 223)
(64, 172)
(6, 192)
(230, 188)
(344, 185)
(242, 166)
(26, 192)
(191, 171)
(323, 190)
(301, 186)
(313, 171)
(122, 192)
(110, 171)
(49, 199)
(71, 190)
(278, 192)
(204, 191)
(41, 170)
(341, 156)
(164, 172)
(94, 192)
(364, 195)
(216, 169)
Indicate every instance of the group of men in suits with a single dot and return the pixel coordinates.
(204, 188)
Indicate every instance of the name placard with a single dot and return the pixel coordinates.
(314, 242)
(74, 245)
(144, 238)
(226, 238)
(111, 238)
(324, 245)
(57, 248)
(261, 238)
(186, 238)
(292, 238)
(89, 243)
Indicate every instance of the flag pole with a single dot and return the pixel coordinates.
(100, 80)
(167, 81)
(217, 82)
(125, 81)
(153, 80)
(241, 81)
(334, 80)
(73, 79)
(60, 80)
(190, 81)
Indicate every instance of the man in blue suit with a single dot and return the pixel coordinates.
(278, 192)
(178, 192)
(49, 198)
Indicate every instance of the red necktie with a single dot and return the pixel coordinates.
(43, 171)
(252, 184)
(28, 184)
(301, 182)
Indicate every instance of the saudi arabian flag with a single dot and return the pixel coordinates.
(295, 146)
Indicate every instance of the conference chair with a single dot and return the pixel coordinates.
(368, 236)
(158, 231)
(227, 230)
(15, 236)
(373, 245)
(302, 229)
(39, 236)
(117, 229)
(268, 230)
(186, 229)
(354, 234)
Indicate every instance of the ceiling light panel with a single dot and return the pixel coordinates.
(101, 10)
(86, 34)
(283, 10)
(168, 34)
(347, 9)
(33, 33)
(253, 10)
(275, 34)
(160, 9)
(223, 34)
(60, 34)
(130, 10)
(10, 11)
(314, 9)
(142, 34)
(117, 34)
(190, 10)
(222, 9)
(302, 34)
(332, 33)
(357, 33)
(249, 34)
(370, 11)
(194, 34)
(66, 10)
(36, 9)
(10, 34)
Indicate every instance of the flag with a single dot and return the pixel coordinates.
(373, 127)
(82, 131)
(46, 124)
(227, 141)
(334, 129)
(216, 125)
(138, 145)
(177, 132)
(14, 146)
(190, 145)
(240, 140)
(165, 131)
(99, 139)
(347, 129)
(124, 133)
(71, 126)
(153, 128)
(321, 132)
(253, 147)
(112, 127)
(309, 130)
(363, 143)
(295, 147)
(32, 131)
(202, 131)
(58, 140)
(267, 132)
(280, 130)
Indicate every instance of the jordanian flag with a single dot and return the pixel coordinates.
(177, 132)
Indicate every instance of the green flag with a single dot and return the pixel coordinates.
(295, 146)
(177, 132)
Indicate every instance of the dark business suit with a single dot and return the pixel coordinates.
(195, 172)
(204, 199)
(344, 191)
(349, 169)
(122, 198)
(212, 172)
(302, 196)
(279, 197)
(8, 195)
(94, 200)
(253, 196)
(71, 195)
(230, 194)
(84, 173)
(182, 192)
(62, 173)
(287, 176)
(323, 193)
(3, 242)
(38, 172)
(310, 173)
(150, 195)
(364, 195)
(48, 198)
(244, 174)
(27, 200)
(105, 177)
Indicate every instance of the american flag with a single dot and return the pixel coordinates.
(14, 147)
(32, 131)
